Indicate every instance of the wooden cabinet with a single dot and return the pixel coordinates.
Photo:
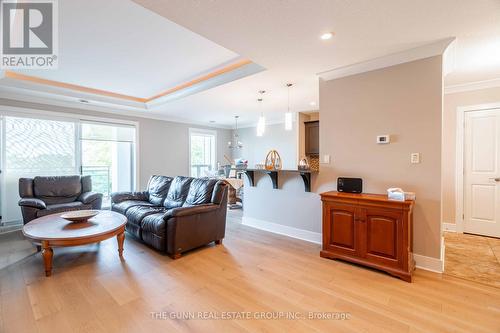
(369, 229)
(311, 138)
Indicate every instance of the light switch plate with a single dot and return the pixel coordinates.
(415, 158)
(383, 139)
(326, 159)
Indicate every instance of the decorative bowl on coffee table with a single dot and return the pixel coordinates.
(79, 215)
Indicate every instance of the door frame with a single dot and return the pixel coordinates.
(459, 161)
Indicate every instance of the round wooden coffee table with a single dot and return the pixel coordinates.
(52, 231)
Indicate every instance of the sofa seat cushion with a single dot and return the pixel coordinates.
(65, 207)
(200, 191)
(154, 231)
(136, 214)
(123, 206)
(154, 223)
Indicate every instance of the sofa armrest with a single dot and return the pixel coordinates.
(118, 197)
(32, 202)
(191, 227)
(89, 197)
(191, 210)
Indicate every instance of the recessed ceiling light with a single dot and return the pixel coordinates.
(312, 104)
(327, 35)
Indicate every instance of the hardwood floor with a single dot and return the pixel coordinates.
(13, 248)
(91, 290)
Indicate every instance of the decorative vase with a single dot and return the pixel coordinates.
(303, 164)
(273, 160)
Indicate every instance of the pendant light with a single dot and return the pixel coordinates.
(261, 124)
(288, 114)
(236, 143)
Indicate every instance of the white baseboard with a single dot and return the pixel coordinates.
(428, 263)
(422, 262)
(309, 236)
(450, 227)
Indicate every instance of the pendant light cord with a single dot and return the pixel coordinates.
(288, 98)
(289, 85)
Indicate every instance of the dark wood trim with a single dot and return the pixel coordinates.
(274, 175)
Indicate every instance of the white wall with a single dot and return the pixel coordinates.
(163, 145)
(275, 137)
(289, 206)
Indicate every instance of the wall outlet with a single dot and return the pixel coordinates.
(326, 159)
(415, 158)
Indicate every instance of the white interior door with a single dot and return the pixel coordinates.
(482, 172)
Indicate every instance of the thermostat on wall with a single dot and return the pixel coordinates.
(383, 138)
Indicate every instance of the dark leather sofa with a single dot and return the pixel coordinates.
(175, 215)
(42, 196)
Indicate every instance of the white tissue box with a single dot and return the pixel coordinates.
(400, 195)
(396, 195)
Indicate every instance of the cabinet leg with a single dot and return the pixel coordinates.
(218, 242)
(47, 254)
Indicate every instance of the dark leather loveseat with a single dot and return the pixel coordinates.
(175, 215)
(42, 196)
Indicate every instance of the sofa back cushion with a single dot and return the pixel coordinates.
(26, 188)
(200, 191)
(58, 189)
(158, 187)
(178, 192)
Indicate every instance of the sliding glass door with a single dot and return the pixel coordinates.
(108, 156)
(32, 147)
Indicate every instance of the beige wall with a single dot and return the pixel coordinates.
(451, 103)
(163, 145)
(404, 101)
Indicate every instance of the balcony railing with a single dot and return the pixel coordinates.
(101, 179)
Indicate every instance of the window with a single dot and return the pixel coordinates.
(201, 152)
(38, 146)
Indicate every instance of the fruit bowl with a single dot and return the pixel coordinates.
(79, 215)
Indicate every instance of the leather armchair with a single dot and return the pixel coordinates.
(49, 195)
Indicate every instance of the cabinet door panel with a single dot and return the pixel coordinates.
(340, 231)
(384, 235)
(312, 138)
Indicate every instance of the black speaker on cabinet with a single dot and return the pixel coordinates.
(349, 185)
